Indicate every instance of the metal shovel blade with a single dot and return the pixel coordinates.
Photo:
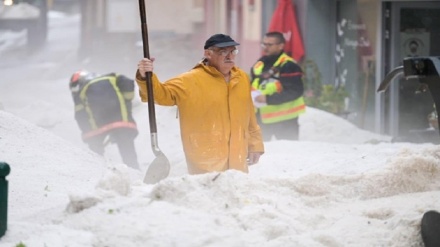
(158, 169)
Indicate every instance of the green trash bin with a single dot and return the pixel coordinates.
(4, 171)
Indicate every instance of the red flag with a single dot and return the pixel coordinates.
(284, 21)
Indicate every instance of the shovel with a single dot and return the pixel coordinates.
(160, 167)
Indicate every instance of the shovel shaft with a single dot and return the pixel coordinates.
(155, 144)
(146, 49)
(160, 167)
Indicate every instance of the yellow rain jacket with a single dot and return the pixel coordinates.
(217, 120)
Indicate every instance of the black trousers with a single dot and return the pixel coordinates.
(285, 130)
(124, 139)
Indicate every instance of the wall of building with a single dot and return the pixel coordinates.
(241, 20)
(250, 49)
(357, 64)
(174, 16)
(318, 35)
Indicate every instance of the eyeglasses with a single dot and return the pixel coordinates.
(268, 44)
(224, 53)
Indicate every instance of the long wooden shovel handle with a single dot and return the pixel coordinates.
(160, 167)
(146, 48)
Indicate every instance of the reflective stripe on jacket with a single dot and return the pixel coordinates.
(281, 112)
(106, 128)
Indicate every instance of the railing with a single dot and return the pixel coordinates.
(4, 171)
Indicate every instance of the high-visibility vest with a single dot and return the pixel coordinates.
(124, 122)
(276, 113)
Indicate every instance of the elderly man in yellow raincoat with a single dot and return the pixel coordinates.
(217, 119)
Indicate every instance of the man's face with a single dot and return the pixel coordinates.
(271, 46)
(221, 58)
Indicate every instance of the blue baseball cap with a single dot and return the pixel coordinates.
(220, 40)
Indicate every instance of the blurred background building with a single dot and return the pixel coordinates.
(349, 46)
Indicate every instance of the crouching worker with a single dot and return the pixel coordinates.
(103, 111)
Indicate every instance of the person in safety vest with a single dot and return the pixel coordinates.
(103, 112)
(277, 90)
(218, 127)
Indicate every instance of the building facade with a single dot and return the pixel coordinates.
(354, 44)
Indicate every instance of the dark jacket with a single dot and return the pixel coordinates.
(104, 103)
(289, 74)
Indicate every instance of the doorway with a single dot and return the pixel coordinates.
(411, 29)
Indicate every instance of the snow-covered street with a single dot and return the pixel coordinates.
(338, 186)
